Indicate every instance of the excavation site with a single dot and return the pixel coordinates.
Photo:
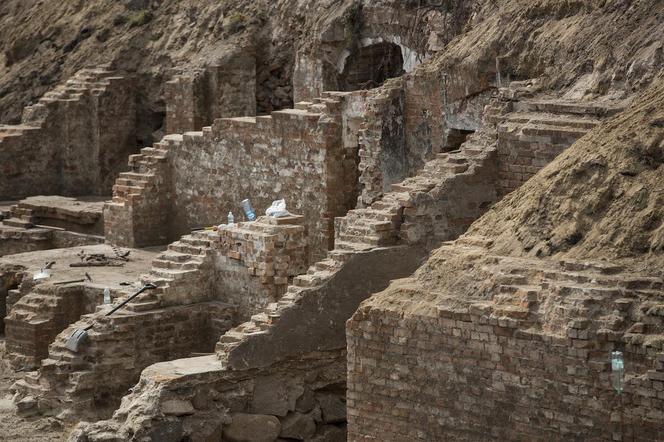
(331, 220)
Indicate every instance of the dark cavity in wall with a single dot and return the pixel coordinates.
(150, 110)
(370, 66)
(274, 81)
(455, 138)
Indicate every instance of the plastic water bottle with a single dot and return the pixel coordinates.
(617, 370)
(231, 219)
(107, 296)
(248, 210)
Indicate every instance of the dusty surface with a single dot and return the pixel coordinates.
(138, 264)
(14, 428)
(570, 45)
(65, 204)
(601, 200)
(45, 42)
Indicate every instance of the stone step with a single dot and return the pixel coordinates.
(455, 168)
(171, 274)
(195, 241)
(183, 248)
(326, 265)
(120, 189)
(143, 306)
(154, 152)
(566, 107)
(552, 120)
(163, 264)
(130, 183)
(136, 177)
(530, 129)
(313, 280)
(352, 247)
(16, 222)
(179, 257)
(372, 241)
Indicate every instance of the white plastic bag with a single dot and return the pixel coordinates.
(277, 209)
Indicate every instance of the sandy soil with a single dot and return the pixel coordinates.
(115, 278)
(15, 428)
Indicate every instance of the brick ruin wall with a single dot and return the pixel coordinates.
(255, 262)
(243, 268)
(301, 399)
(196, 99)
(491, 371)
(29, 240)
(118, 349)
(74, 143)
(297, 155)
(289, 156)
(37, 317)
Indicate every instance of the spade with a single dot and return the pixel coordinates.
(80, 335)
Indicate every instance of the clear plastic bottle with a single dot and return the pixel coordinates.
(107, 296)
(617, 370)
(248, 210)
(231, 219)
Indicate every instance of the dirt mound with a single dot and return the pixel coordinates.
(601, 199)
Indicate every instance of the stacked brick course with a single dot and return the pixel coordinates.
(196, 99)
(139, 212)
(37, 318)
(73, 141)
(532, 133)
(529, 359)
(256, 261)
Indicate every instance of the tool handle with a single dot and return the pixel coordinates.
(126, 301)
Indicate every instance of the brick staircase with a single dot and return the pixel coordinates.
(140, 197)
(36, 319)
(362, 230)
(568, 298)
(92, 80)
(533, 132)
(175, 272)
(131, 186)
(41, 122)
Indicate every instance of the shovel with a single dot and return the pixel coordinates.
(81, 335)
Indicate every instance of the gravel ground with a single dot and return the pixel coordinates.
(14, 428)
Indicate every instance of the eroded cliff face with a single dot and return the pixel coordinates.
(583, 48)
(45, 42)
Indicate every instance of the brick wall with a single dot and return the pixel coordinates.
(255, 262)
(74, 141)
(119, 347)
(525, 361)
(532, 132)
(37, 318)
(196, 99)
(295, 155)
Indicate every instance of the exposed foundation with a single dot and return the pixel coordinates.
(303, 327)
